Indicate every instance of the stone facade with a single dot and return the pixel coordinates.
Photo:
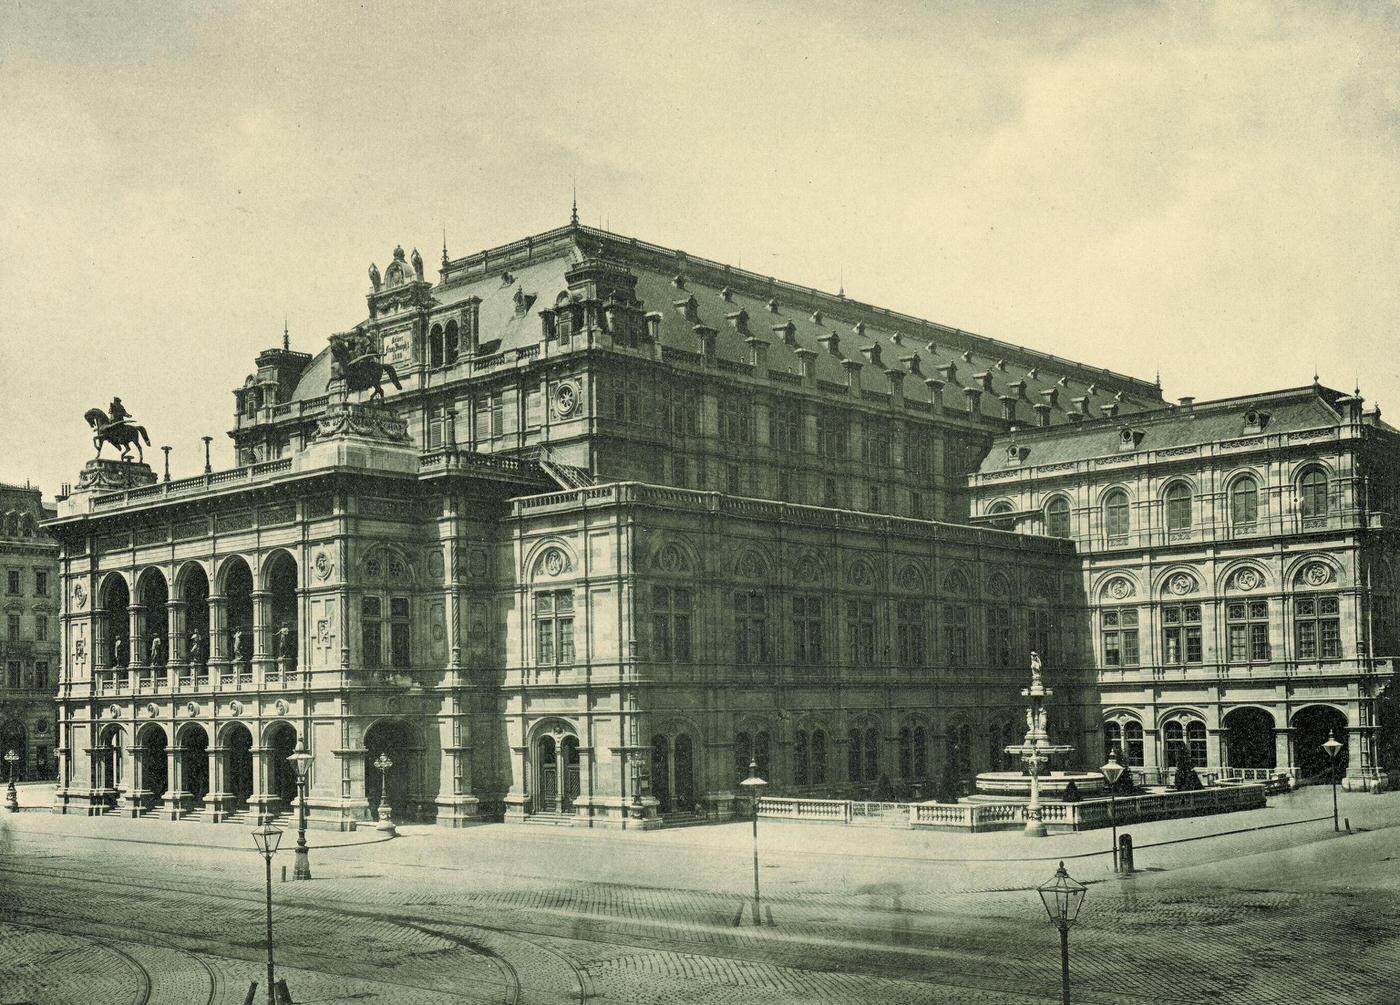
(29, 645)
(1239, 561)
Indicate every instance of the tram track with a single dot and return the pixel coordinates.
(143, 976)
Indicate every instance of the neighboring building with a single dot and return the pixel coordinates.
(29, 645)
(625, 521)
(1240, 561)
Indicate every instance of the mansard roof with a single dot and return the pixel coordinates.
(792, 319)
(1292, 410)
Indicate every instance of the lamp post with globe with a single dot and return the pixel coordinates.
(1333, 748)
(1062, 897)
(1112, 771)
(755, 785)
(301, 763)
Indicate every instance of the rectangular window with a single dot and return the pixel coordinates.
(400, 651)
(750, 628)
(736, 419)
(829, 495)
(787, 428)
(1120, 636)
(955, 621)
(1181, 634)
(670, 624)
(732, 482)
(41, 675)
(372, 631)
(41, 583)
(1247, 630)
(12, 627)
(860, 631)
(41, 628)
(12, 581)
(1040, 626)
(435, 426)
(875, 446)
(999, 636)
(534, 408)
(909, 633)
(807, 631)
(554, 628)
(875, 499)
(12, 675)
(833, 435)
(1318, 627)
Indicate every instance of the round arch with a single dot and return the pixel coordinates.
(1296, 572)
(1249, 737)
(1169, 581)
(279, 739)
(236, 567)
(1312, 725)
(1243, 576)
(1057, 513)
(399, 785)
(237, 740)
(535, 567)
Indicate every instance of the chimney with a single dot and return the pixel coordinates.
(787, 331)
(740, 320)
(1018, 388)
(871, 354)
(1042, 414)
(911, 363)
(1051, 396)
(985, 379)
(948, 371)
(832, 341)
(1081, 406)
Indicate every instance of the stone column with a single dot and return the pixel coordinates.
(1283, 751)
(1216, 748)
(136, 792)
(217, 642)
(176, 644)
(262, 801)
(176, 797)
(1151, 752)
(262, 633)
(218, 798)
(135, 643)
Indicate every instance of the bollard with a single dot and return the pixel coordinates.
(1347, 822)
(252, 993)
(284, 997)
(284, 874)
(1125, 853)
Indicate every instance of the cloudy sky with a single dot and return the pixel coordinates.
(1208, 190)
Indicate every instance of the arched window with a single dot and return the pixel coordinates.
(1000, 515)
(1113, 738)
(435, 346)
(1312, 488)
(1115, 513)
(818, 747)
(1132, 739)
(450, 343)
(1244, 501)
(1057, 517)
(1178, 500)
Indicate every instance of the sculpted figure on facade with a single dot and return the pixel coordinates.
(119, 652)
(196, 647)
(238, 645)
(157, 651)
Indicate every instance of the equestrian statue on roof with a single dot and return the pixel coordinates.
(355, 361)
(116, 426)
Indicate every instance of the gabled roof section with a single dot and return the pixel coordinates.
(843, 333)
(1189, 423)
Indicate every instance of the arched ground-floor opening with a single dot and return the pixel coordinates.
(1249, 739)
(1311, 728)
(238, 763)
(152, 749)
(673, 772)
(555, 772)
(281, 775)
(194, 762)
(109, 763)
(396, 740)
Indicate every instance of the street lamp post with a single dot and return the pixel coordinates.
(1062, 897)
(755, 786)
(1112, 771)
(267, 838)
(386, 813)
(11, 796)
(1333, 748)
(301, 762)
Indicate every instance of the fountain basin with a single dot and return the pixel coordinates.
(1015, 785)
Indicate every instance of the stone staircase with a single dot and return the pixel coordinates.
(547, 819)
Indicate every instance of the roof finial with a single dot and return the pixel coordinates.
(444, 246)
(286, 335)
(841, 283)
(573, 213)
(1157, 380)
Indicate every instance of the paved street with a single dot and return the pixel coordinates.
(123, 911)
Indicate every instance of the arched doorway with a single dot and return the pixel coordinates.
(673, 772)
(155, 622)
(1311, 727)
(395, 738)
(282, 610)
(154, 774)
(1249, 738)
(13, 737)
(556, 764)
(238, 763)
(281, 776)
(194, 591)
(194, 762)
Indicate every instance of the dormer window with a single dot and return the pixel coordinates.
(1255, 420)
(653, 329)
(689, 308)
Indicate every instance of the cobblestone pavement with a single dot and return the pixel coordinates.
(148, 911)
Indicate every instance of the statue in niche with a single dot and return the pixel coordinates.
(119, 652)
(196, 647)
(286, 643)
(157, 651)
(238, 645)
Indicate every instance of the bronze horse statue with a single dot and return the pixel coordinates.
(121, 435)
(362, 372)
